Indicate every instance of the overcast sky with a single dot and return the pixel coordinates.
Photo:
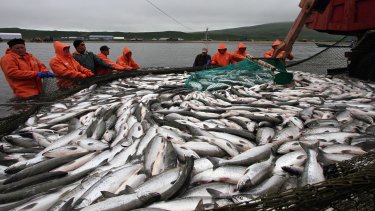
(142, 16)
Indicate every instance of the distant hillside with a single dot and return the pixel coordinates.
(273, 31)
(265, 32)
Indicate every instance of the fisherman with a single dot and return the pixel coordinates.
(222, 57)
(240, 54)
(269, 53)
(22, 70)
(202, 59)
(103, 55)
(88, 59)
(63, 64)
(126, 60)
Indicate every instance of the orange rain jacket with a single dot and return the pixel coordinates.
(101, 71)
(66, 66)
(221, 59)
(269, 53)
(237, 55)
(124, 61)
(21, 72)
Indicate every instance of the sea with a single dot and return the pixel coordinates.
(152, 54)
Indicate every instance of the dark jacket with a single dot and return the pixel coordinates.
(90, 61)
(201, 60)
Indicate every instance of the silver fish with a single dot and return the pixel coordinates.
(92, 144)
(228, 174)
(264, 135)
(256, 173)
(313, 172)
(64, 151)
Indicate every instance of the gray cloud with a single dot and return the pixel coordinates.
(140, 16)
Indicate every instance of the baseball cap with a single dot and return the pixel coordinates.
(204, 50)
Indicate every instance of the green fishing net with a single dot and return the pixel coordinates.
(245, 73)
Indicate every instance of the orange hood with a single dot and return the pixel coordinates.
(241, 45)
(126, 51)
(222, 46)
(8, 51)
(59, 48)
(276, 43)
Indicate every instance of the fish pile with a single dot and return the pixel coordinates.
(150, 143)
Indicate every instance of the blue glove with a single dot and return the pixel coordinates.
(50, 74)
(45, 74)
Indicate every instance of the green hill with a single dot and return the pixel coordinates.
(265, 32)
(273, 31)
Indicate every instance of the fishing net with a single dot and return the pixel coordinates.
(245, 73)
(350, 184)
(328, 59)
(351, 187)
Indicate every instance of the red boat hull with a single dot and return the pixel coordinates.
(344, 17)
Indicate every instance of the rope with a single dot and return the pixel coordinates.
(315, 55)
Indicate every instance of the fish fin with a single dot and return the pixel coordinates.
(128, 190)
(215, 162)
(292, 170)
(305, 146)
(68, 205)
(135, 159)
(321, 156)
(214, 193)
(321, 151)
(216, 206)
(315, 145)
(130, 157)
(104, 162)
(274, 150)
(200, 206)
(107, 194)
